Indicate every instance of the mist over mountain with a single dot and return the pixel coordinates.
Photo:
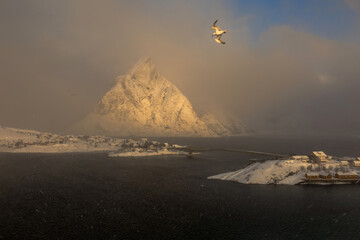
(145, 103)
(285, 69)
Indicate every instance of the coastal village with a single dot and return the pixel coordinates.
(328, 169)
(317, 168)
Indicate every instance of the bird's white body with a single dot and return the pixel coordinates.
(218, 32)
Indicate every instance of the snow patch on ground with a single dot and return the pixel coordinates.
(28, 141)
(269, 172)
(13, 134)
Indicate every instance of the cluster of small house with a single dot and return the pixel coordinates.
(328, 176)
(143, 143)
(321, 157)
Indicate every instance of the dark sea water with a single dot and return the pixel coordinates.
(93, 196)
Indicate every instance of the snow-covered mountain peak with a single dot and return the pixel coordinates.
(142, 75)
(145, 63)
(144, 103)
(144, 69)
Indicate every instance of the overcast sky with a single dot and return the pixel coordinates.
(287, 66)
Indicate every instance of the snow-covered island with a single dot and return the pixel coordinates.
(317, 168)
(28, 141)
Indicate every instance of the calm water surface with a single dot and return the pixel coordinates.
(92, 196)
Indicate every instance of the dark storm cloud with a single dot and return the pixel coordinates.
(59, 57)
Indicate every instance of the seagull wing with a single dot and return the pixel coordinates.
(218, 40)
(215, 27)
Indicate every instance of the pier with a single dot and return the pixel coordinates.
(190, 152)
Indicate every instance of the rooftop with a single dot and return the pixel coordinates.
(319, 153)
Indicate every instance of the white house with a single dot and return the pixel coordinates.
(289, 161)
(344, 163)
(319, 156)
(303, 158)
(356, 163)
(312, 175)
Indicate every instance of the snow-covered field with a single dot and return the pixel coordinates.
(288, 172)
(21, 141)
(28, 141)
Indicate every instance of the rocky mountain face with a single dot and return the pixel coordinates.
(144, 103)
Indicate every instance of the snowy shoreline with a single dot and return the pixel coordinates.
(287, 172)
(14, 140)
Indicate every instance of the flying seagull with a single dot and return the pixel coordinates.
(217, 32)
